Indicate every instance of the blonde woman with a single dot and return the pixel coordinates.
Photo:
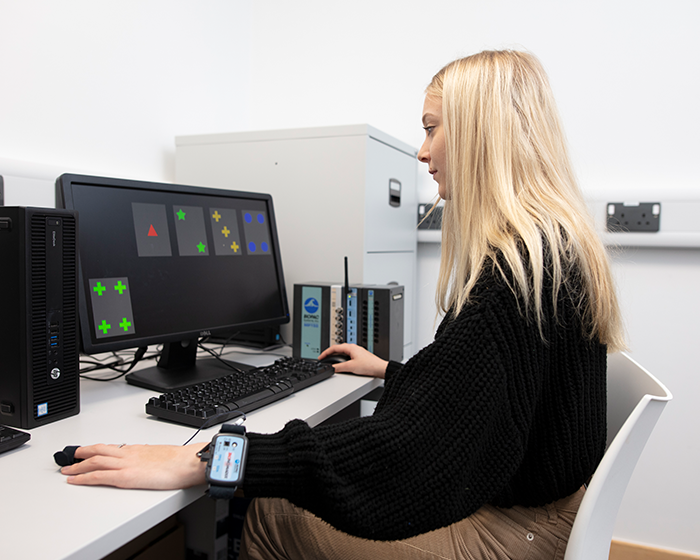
(482, 442)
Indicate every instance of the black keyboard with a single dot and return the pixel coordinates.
(11, 438)
(223, 398)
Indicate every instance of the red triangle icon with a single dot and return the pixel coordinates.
(152, 232)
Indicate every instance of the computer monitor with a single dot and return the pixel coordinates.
(163, 263)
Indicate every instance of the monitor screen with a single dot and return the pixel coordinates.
(167, 264)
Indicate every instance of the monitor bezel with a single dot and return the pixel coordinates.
(64, 199)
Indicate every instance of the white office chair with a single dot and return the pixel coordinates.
(635, 402)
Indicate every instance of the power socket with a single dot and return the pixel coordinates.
(634, 217)
(433, 221)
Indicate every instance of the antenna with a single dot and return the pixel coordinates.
(345, 303)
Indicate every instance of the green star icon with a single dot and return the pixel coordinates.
(180, 214)
(201, 247)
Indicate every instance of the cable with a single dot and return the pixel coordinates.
(218, 357)
(213, 420)
(262, 352)
(243, 349)
(137, 358)
(253, 349)
(120, 359)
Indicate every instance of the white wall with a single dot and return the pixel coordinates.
(105, 87)
(624, 72)
(660, 297)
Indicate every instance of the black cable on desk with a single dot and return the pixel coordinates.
(137, 358)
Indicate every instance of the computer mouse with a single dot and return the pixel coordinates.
(335, 359)
(66, 456)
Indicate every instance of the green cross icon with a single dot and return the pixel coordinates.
(99, 289)
(104, 327)
(180, 214)
(125, 324)
(120, 287)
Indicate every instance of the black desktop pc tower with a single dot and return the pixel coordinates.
(39, 377)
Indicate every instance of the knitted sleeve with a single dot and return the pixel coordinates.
(452, 431)
(391, 368)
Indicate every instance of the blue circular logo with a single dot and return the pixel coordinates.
(248, 218)
(264, 247)
(311, 305)
(261, 219)
(251, 247)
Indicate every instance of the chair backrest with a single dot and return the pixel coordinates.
(635, 402)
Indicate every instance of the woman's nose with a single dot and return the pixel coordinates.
(424, 152)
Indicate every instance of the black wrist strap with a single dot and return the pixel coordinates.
(226, 492)
(233, 429)
(221, 492)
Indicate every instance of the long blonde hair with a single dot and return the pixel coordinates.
(511, 190)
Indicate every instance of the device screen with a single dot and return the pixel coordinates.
(227, 459)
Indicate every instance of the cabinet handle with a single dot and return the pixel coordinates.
(394, 193)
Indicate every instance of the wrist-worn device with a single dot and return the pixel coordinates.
(225, 456)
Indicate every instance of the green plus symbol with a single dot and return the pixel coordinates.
(125, 324)
(180, 214)
(201, 247)
(120, 287)
(99, 289)
(104, 327)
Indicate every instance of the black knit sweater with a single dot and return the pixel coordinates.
(489, 413)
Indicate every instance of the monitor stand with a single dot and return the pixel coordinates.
(178, 367)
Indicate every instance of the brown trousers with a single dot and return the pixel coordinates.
(276, 529)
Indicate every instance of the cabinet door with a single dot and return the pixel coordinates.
(390, 199)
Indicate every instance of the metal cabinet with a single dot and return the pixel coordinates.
(345, 191)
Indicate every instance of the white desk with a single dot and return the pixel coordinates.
(42, 516)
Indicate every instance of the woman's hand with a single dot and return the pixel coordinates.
(152, 467)
(361, 362)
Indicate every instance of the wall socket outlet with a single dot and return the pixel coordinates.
(432, 222)
(634, 217)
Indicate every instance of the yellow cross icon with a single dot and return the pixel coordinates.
(225, 231)
(234, 246)
(216, 216)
